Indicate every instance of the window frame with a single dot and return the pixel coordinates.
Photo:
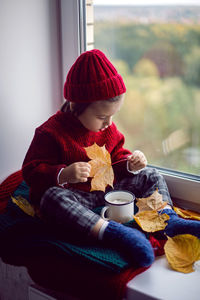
(71, 34)
(184, 188)
(185, 192)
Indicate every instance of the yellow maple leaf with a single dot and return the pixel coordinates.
(182, 251)
(101, 169)
(151, 221)
(24, 205)
(187, 214)
(154, 202)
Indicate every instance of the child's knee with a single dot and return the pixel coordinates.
(50, 192)
(154, 175)
(49, 196)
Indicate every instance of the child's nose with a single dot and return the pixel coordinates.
(108, 121)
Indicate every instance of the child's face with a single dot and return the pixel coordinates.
(98, 115)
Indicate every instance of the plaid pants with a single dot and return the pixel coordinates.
(71, 209)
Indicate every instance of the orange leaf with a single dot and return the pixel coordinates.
(24, 205)
(154, 202)
(182, 251)
(151, 221)
(101, 168)
(187, 214)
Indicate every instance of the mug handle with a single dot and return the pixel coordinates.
(104, 209)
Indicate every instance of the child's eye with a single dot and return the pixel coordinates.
(101, 118)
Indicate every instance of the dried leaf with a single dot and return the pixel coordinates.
(154, 202)
(101, 168)
(151, 221)
(182, 251)
(187, 214)
(24, 205)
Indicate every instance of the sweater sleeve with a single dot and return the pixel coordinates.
(41, 164)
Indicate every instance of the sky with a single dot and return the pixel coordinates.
(147, 2)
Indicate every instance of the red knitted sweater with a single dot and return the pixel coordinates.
(59, 142)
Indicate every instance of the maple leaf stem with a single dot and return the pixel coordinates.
(116, 162)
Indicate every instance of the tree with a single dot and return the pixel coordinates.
(192, 66)
(166, 58)
(145, 68)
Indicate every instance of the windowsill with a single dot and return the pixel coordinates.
(161, 282)
(184, 191)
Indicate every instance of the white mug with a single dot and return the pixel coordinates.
(119, 206)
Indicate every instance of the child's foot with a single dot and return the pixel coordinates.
(130, 242)
(178, 225)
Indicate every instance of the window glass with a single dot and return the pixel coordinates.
(155, 45)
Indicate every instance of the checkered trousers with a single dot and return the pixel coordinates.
(72, 209)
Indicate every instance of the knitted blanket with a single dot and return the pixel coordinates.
(54, 261)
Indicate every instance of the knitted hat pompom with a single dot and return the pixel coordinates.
(91, 78)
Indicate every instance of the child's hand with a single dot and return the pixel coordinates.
(76, 172)
(137, 161)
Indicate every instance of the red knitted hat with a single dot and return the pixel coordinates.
(93, 77)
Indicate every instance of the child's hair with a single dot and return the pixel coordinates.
(79, 108)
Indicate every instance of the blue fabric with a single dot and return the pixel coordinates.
(178, 225)
(131, 242)
(22, 190)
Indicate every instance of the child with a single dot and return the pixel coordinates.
(56, 165)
